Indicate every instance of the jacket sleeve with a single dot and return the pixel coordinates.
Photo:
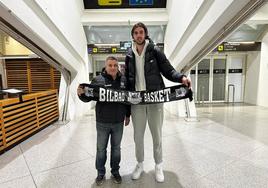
(128, 113)
(166, 68)
(128, 107)
(127, 71)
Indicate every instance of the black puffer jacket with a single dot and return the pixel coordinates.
(155, 63)
(111, 112)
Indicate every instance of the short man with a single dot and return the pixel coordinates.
(110, 119)
(144, 65)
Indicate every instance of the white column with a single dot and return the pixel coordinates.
(262, 99)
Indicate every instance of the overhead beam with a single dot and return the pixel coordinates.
(125, 17)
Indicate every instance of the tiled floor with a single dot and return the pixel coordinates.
(227, 147)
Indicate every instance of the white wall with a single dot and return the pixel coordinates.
(180, 16)
(13, 47)
(2, 72)
(263, 73)
(56, 27)
(257, 76)
(65, 14)
(252, 77)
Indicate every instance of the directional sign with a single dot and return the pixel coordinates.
(109, 2)
(236, 47)
(95, 50)
(113, 50)
(115, 4)
(141, 2)
(220, 48)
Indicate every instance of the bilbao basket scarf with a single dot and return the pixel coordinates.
(106, 94)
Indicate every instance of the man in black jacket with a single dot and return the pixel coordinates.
(110, 119)
(144, 65)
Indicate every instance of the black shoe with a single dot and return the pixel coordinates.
(117, 178)
(99, 180)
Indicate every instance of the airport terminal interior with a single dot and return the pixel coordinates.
(48, 135)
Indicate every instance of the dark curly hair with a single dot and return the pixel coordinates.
(142, 25)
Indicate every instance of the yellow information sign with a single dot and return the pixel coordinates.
(109, 2)
(95, 50)
(220, 48)
(113, 50)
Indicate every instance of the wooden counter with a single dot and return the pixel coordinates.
(21, 119)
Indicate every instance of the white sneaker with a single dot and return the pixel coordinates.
(137, 172)
(159, 175)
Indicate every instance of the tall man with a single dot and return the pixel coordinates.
(144, 65)
(110, 118)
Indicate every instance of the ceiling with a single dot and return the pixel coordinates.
(248, 32)
(253, 29)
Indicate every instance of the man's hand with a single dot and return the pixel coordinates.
(127, 120)
(80, 90)
(186, 81)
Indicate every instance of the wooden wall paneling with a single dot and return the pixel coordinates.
(3, 131)
(8, 108)
(52, 118)
(16, 72)
(29, 77)
(33, 75)
(40, 71)
(48, 108)
(37, 112)
(42, 100)
(19, 110)
(18, 120)
(7, 124)
(22, 121)
(19, 130)
(52, 78)
(24, 133)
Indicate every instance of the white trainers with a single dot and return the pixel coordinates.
(159, 175)
(137, 172)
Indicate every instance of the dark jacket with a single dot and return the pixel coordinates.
(111, 112)
(155, 63)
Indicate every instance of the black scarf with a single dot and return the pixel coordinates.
(104, 94)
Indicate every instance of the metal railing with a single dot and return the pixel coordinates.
(189, 117)
(201, 94)
(228, 95)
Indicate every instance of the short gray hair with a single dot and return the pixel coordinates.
(111, 58)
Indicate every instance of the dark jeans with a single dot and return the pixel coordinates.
(104, 130)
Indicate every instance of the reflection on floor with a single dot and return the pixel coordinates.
(228, 147)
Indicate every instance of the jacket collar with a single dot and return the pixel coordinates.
(104, 74)
(134, 48)
(150, 47)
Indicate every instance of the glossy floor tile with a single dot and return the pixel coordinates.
(226, 147)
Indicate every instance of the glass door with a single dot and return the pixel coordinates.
(203, 80)
(235, 77)
(219, 78)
